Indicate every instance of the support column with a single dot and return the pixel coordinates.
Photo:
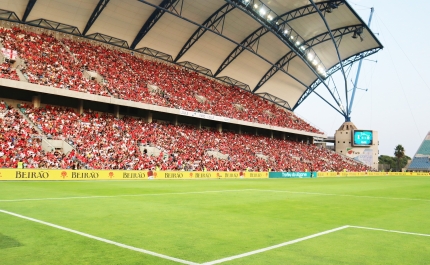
(283, 136)
(240, 129)
(175, 120)
(81, 107)
(116, 111)
(149, 116)
(271, 134)
(199, 125)
(219, 127)
(36, 101)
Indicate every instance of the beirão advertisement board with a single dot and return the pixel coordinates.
(289, 175)
(38, 174)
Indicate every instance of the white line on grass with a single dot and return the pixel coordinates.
(391, 231)
(344, 195)
(101, 239)
(275, 246)
(124, 195)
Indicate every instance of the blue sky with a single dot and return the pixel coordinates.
(397, 100)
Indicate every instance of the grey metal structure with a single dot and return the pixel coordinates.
(278, 50)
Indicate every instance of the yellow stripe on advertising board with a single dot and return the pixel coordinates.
(49, 174)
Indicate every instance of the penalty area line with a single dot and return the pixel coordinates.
(390, 231)
(276, 246)
(100, 239)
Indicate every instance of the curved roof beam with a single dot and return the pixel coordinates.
(155, 16)
(28, 9)
(336, 46)
(97, 11)
(212, 22)
(334, 69)
(257, 34)
(285, 60)
(276, 31)
(222, 36)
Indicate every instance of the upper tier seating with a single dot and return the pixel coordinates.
(61, 64)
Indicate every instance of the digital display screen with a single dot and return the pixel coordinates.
(362, 137)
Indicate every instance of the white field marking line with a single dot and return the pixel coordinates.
(275, 246)
(101, 239)
(345, 195)
(125, 195)
(390, 231)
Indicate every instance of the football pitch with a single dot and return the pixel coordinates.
(362, 220)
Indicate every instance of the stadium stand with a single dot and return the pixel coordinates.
(19, 141)
(421, 160)
(67, 64)
(102, 141)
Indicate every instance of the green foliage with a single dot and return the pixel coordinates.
(399, 152)
(202, 221)
(392, 161)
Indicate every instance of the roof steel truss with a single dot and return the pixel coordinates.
(197, 68)
(275, 100)
(223, 36)
(52, 25)
(234, 82)
(334, 69)
(254, 37)
(155, 53)
(155, 16)
(214, 22)
(278, 30)
(28, 9)
(108, 39)
(286, 59)
(97, 11)
(9, 16)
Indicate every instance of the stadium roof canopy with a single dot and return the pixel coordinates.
(281, 50)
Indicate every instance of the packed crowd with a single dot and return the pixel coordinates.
(7, 72)
(105, 142)
(61, 64)
(20, 142)
(48, 62)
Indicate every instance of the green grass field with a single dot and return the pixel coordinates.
(215, 221)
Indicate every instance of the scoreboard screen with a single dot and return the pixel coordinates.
(362, 138)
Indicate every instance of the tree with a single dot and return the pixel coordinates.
(391, 161)
(399, 152)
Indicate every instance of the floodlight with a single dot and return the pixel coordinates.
(262, 11)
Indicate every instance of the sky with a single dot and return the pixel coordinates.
(397, 100)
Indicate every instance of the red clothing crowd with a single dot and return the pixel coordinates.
(61, 64)
(102, 141)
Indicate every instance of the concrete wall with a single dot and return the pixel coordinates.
(366, 154)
